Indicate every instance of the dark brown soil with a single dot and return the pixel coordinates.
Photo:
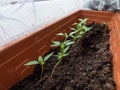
(87, 67)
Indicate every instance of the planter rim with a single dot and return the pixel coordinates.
(4, 47)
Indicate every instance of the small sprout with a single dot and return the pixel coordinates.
(80, 30)
(83, 21)
(60, 55)
(64, 47)
(41, 61)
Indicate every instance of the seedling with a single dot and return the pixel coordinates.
(65, 35)
(41, 61)
(80, 30)
(76, 34)
(64, 47)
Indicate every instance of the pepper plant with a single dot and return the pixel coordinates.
(41, 61)
(80, 30)
(68, 40)
(64, 47)
(76, 34)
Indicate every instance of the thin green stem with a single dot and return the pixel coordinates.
(55, 67)
(41, 72)
(77, 42)
(78, 39)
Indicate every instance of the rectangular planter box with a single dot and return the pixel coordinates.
(15, 55)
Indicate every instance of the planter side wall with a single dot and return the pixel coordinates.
(13, 58)
(114, 21)
(115, 47)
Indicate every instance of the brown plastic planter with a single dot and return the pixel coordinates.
(14, 55)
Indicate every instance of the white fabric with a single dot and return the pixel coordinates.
(23, 17)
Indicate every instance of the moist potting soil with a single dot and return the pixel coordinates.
(87, 67)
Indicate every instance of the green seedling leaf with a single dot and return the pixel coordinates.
(81, 33)
(63, 34)
(73, 32)
(56, 43)
(62, 46)
(80, 29)
(75, 23)
(34, 62)
(83, 21)
(40, 60)
(80, 20)
(66, 49)
(86, 28)
(79, 36)
(59, 55)
(66, 54)
(72, 29)
(66, 35)
(60, 34)
(79, 25)
(48, 56)
(65, 42)
(72, 36)
(69, 43)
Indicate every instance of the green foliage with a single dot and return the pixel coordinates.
(76, 34)
(69, 39)
(64, 47)
(34, 62)
(80, 30)
(65, 35)
(41, 61)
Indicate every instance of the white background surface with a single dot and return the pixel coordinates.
(19, 19)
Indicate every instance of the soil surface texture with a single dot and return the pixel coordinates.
(87, 67)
